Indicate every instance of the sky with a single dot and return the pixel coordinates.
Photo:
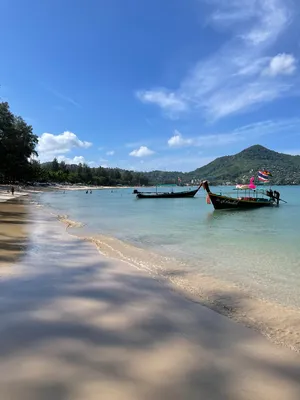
(153, 84)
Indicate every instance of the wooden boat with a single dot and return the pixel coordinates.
(247, 200)
(166, 195)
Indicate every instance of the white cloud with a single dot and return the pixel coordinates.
(74, 160)
(294, 152)
(232, 80)
(110, 153)
(51, 145)
(143, 151)
(172, 163)
(206, 141)
(282, 64)
(165, 99)
(178, 141)
(252, 131)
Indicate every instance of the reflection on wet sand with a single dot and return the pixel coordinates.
(14, 224)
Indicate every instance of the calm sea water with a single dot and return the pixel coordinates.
(257, 249)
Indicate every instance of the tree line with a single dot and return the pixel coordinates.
(60, 172)
(18, 160)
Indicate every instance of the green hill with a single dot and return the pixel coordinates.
(239, 168)
(224, 170)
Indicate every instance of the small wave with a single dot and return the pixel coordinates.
(69, 222)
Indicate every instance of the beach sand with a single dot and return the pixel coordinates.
(77, 325)
(5, 193)
(278, 323)
(14, 227)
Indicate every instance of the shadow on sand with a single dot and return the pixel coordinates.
(14, 222)
(94, 330)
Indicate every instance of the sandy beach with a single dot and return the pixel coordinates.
(14, 229)
(78, 325)
(279, 324)
(5, 193)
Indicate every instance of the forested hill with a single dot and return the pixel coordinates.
(239, 168)
(224, 170)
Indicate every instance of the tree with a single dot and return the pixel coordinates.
(55, 165)
(127, 177)
(62, 166)
(86, 174)
(17, 145)
(35, 172)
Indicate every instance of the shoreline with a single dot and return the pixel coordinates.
(278, 323)
(14, 231)
(5, 194)
(223, 297)
(86, 325)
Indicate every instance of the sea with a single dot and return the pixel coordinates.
(256, 250)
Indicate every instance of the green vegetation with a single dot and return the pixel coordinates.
(82, 173)
(224, 170)
(239, 168)
(18, 143)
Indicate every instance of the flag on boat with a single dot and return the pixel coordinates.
(264, 176)
(265, 172)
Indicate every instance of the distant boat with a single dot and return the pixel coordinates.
(166, 195)
(245, 198)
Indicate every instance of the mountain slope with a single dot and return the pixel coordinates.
(239, 167)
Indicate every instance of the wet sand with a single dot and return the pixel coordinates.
(78, 325)
(278, 323)
(14, 229)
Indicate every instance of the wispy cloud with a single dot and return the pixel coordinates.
(110, 153)
(63, 97)
(165, 99)
(58, 108)
(242, 73)
(172, 163)
(294, 152)
(247, 132)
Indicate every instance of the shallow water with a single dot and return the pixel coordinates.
(258, 250)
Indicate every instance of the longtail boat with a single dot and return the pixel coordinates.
(166, 195)
(246, 198)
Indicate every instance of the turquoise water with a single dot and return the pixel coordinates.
(258, 250)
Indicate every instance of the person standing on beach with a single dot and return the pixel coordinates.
(12, 190)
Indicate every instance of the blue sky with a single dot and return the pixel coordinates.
(153, 84)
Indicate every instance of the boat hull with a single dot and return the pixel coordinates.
(224, 203)
(173, 195)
